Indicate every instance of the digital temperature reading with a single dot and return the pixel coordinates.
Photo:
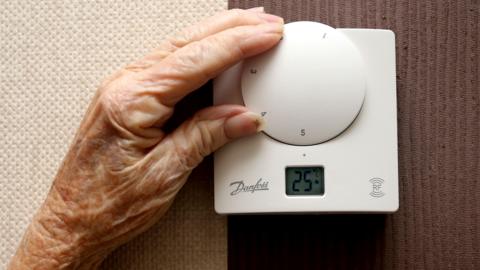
(304, 181)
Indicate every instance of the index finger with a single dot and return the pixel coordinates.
(193, 65)
(210, 26)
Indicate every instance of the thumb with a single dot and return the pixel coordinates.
(210, 129)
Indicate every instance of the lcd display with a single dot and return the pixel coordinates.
(304, 181)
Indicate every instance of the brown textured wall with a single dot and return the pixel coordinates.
(438, 224)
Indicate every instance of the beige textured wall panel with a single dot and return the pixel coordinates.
(53, 55)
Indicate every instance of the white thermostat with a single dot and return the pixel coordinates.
(328, 97)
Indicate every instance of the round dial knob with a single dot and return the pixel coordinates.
(309, 88)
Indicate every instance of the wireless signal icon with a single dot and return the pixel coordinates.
(377, 187)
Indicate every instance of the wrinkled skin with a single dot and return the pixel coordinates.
(122, 171)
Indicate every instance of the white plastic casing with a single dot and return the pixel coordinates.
(360, 163)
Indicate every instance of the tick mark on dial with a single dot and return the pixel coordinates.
(324, 35)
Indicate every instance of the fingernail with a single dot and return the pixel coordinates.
(244, 124)
(257, 9)
(270, 18)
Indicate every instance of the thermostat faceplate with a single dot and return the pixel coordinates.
(348, 161)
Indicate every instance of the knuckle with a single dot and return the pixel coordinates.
(176, 42)
(184, 37)
(116, 99)
(222, 43)
(110, 100)
(191, 56)
(206, 139)
(129, 106)
(197, 48)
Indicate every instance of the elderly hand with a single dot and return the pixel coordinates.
(123, 171)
